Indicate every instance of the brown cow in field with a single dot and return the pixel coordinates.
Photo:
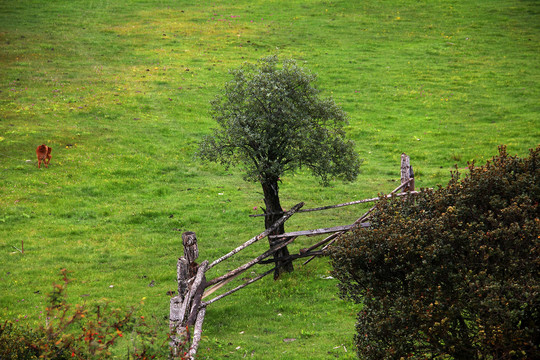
(43, 153)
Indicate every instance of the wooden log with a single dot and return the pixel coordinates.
(186, 268)
(328, 245)
(197, 332)
(186, 304)
(179, 333)
(399, 188)
(177, 342)
(182, 276)
(195, 303)
(262, 235)
(322, 242)
(403, 184)
(330, 240)
(392, 193)
(191, 250)
(218, 286)
(407, 174)
(174, 313)
(294, 257)
(250, 263)
(411, 179)
(366, 215)
(251, 281)
(339, 205)
(318, 231)
(358, 221)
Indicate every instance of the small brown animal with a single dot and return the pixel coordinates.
(43, 153)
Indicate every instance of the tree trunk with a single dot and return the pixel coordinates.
(274, 213)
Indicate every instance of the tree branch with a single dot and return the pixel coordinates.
(260, 236)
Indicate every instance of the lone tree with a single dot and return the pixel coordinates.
(271, 121)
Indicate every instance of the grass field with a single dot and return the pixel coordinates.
(120, 90)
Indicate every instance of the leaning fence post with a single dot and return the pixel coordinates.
(407, 173)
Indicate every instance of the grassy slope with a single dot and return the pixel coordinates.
(121, 91)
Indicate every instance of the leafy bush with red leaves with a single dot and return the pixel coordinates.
(452, 272)
(80, 333)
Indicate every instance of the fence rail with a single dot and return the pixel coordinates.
(188, 310)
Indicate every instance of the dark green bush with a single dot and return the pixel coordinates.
(452, 272)
(22, 343)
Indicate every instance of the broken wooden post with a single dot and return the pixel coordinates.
(178, 333)
(407, 173)
(191, 250)
(184, 307)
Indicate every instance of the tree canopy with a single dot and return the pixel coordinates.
(272, 121)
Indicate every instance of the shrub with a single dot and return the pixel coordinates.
(22, 343)
(452, 272)
(80, 333)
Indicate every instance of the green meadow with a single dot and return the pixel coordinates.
(120, 90)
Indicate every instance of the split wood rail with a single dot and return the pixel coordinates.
(187, 309)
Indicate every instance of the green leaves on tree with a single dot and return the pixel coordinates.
(271, 120)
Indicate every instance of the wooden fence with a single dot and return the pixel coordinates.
(187, 309)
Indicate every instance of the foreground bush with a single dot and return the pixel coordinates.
(77, 332)
(451, 273)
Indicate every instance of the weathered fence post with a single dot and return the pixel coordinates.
(184, 308)
(191, 250)
(407, 173)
